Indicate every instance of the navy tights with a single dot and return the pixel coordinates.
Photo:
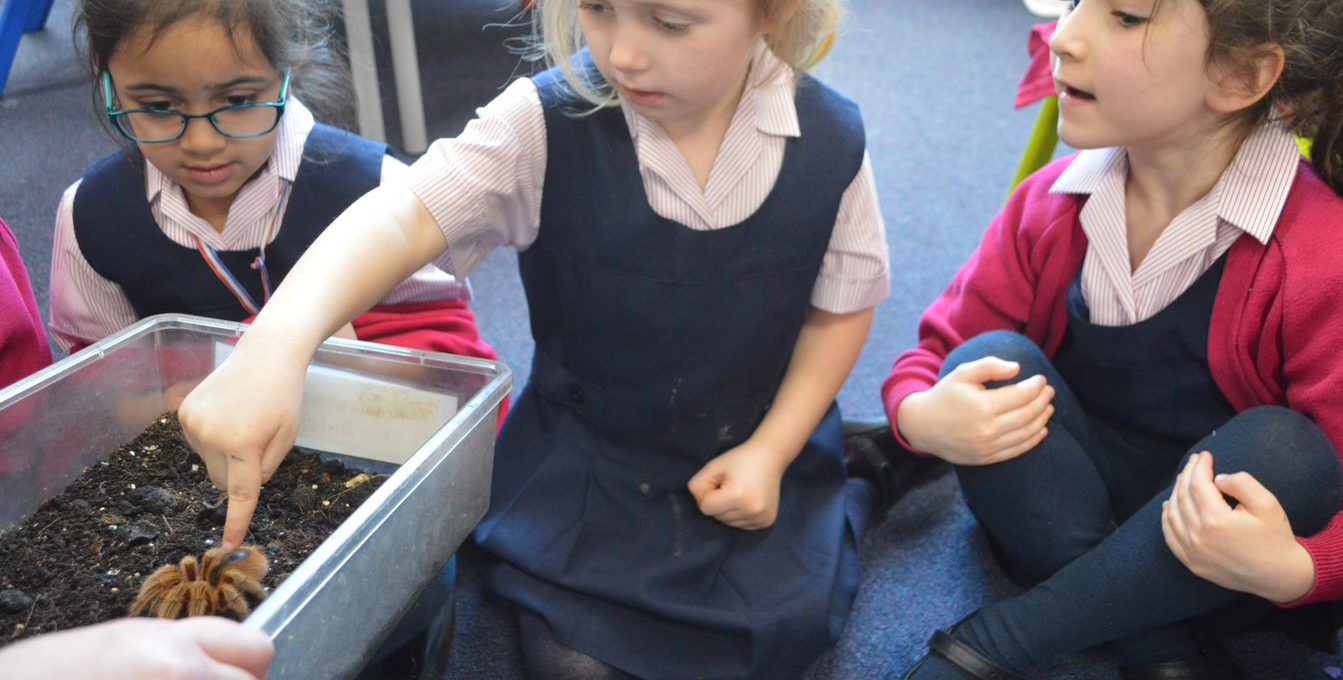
(1086, 527)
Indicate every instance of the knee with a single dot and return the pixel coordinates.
(1291, 457)
(1287, 439)
(1005, 345)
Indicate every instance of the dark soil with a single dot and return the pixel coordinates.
(81, 558)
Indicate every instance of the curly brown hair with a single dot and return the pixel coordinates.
(1309, 94)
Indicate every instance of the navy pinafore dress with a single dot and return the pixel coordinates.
(1147, 388)
(121, 241)
(658, 347)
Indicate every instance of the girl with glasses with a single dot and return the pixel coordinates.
(225, 178)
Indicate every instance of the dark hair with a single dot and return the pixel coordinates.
(291, 34)
(1310, 91)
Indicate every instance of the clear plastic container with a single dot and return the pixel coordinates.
(430, 416)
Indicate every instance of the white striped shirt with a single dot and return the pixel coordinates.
(484, 187)
(1247, 199)
(85, 307)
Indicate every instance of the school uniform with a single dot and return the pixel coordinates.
(23, 340)
(1203, 347)
(664, 317)
(127, 245)
(23, 350)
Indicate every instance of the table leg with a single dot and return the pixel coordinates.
(364, 69)
(406, 67)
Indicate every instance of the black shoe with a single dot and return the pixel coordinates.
(1216, 664)
(963, 658)
(1170, 670)
(872, 452)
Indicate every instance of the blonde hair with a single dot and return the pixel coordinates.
(802, 43)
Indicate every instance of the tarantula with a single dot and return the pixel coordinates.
(220, 584)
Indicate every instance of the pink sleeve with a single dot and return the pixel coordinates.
(483, 187)
(856, 271)
(1326, 551)
(23, 341)
(996, 289)
(85, 307)
(1312, 331)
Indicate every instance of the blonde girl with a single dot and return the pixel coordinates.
(702, 250)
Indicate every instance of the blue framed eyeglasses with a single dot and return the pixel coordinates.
(155, 126)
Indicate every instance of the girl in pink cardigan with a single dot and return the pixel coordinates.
(1137, 374)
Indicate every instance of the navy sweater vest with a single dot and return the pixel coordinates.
(121, 241)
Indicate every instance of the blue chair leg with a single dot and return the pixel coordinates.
(13, 18)
(37, 15)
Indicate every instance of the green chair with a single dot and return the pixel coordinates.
(1040, 147)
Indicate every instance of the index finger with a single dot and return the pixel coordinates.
(244, 485)
(216, 465)
(1204, 493)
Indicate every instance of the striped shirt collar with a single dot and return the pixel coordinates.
(283, 163)
(768, 96)
(1249, 195)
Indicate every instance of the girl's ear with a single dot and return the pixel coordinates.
(778, 15)
(1242, 85)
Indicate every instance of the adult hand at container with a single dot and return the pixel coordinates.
(205, 648)
(965, 422)
(242, 421)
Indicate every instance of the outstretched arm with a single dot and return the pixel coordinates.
(243, 418)
(741, 487)
(476, 191)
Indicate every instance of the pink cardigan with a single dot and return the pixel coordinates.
(1276, 336)
(23, 338)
